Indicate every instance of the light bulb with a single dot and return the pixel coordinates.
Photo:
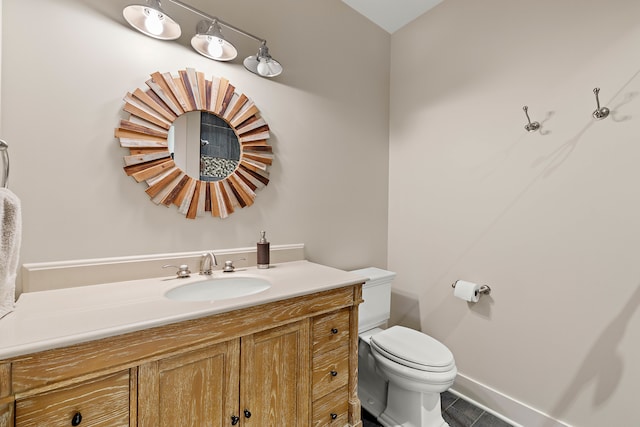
(263, 66)
(214, 46)
(153, 23)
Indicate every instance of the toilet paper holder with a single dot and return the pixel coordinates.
(484, 289)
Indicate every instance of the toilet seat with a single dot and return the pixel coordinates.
(413, 349)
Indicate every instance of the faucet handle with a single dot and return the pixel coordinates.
(228, 267)
(183, 270)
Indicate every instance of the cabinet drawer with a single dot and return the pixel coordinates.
(330, 371)
(100, 402)
(330, 331)
(332, 410)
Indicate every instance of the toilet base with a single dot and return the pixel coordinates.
(372, 387)
(406, 408)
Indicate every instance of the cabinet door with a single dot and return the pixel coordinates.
(275, 389)
(196, 388)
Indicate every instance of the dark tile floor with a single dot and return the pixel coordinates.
(455, 411)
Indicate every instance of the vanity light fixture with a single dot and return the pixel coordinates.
(152, 21)
(209, 42)
(262, 63)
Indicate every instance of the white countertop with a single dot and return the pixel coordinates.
(57, 318)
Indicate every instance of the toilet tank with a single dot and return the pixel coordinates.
(376, 293)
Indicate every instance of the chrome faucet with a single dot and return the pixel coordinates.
(207, 262)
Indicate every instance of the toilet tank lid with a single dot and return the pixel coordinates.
(375, 274)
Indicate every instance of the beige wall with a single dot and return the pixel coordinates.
(67, 67)
(550, 220)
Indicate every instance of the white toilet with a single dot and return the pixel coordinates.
(401, 371)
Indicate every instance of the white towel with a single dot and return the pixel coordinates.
(11, 228)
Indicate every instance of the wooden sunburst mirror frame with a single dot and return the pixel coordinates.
(152, 113)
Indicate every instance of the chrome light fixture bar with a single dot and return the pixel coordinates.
(151, 20)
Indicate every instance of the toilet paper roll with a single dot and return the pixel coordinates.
(467, 291)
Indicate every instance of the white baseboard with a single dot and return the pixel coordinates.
(504, 407)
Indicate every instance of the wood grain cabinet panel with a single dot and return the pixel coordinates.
(7, 404)
(103, 402)
(330, 371)
(198, 387)
(332, 410)
(274, 381)
(6, 414)
(330, 331)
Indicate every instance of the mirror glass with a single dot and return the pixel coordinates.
(204, 146)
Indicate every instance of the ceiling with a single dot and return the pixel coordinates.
(392, 15)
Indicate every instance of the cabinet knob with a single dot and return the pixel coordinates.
(334, 373)
(334, 416)
(334, 331)
(247, 414)
(77, 419)
(234, 420)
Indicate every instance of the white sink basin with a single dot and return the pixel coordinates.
(218, 289)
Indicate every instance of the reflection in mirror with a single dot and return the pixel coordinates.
(219, 148)
(204, 146)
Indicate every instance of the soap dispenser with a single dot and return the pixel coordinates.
(263, 251)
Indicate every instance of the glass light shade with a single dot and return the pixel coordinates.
(214, 47)
(263, 64)
(265, 67)
(150, 20)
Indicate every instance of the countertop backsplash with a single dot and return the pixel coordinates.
(68, 274)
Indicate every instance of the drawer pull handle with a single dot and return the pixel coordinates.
(334, 331)
(234, 420)
(77, 419)
(334, 373)
(334, 416)
(247, 414)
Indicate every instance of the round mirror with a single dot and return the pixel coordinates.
(196, 143)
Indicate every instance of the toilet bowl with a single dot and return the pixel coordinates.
(401, 371)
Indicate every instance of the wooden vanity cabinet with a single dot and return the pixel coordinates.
(286, 363)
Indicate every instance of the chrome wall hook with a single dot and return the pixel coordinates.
(599, 113)
(531, 126)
